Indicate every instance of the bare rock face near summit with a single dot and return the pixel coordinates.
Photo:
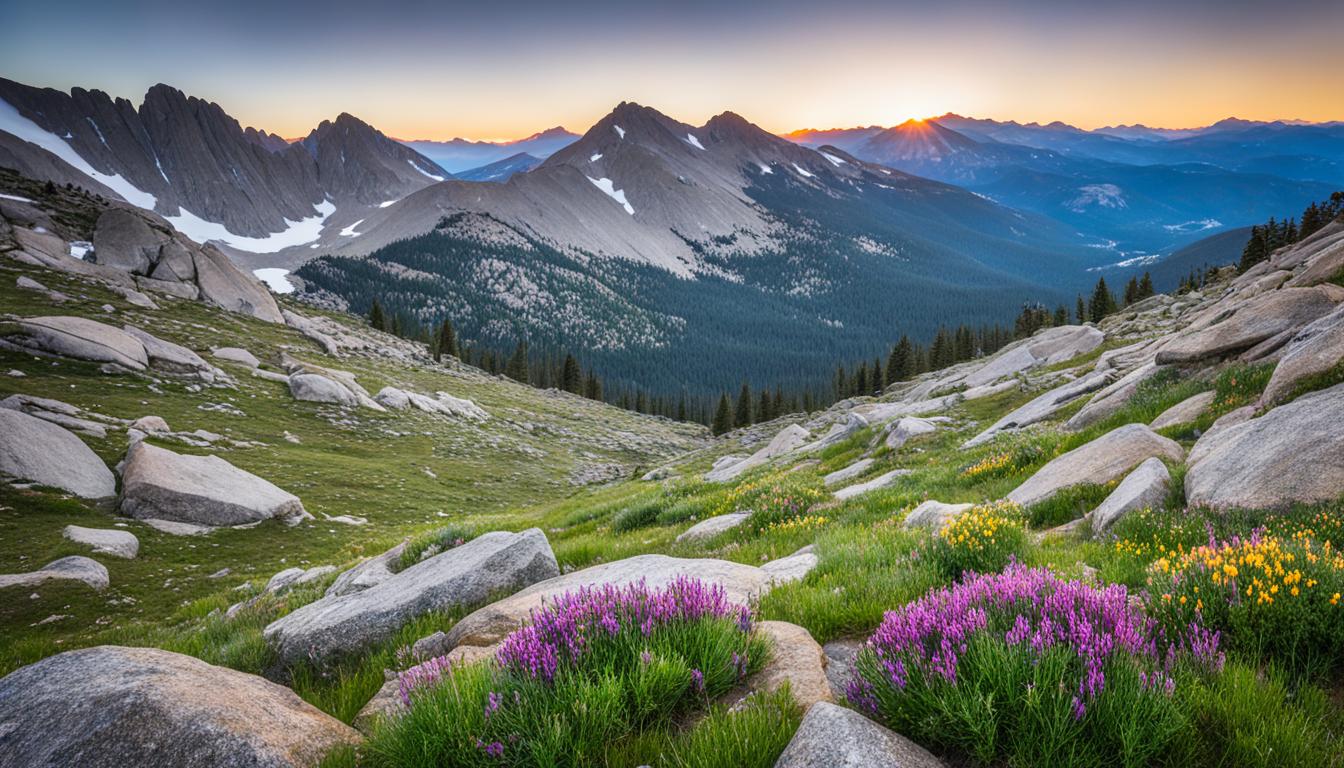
(38, 451)
(111, 707)
(201, 490)
(1294, 453)
(489, 564)
(1105, 459)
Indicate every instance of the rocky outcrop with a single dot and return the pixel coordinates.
(788, 440)
(1294, 453)
(489, 625)
(902, 430)
(933, 515)
(227, 287)
(443, 403)
(106, 541)
(1185, 411)
(1111, 398)
(831, 736)
(1043, 406)
(1144, 488)
(848, 473)
(713, 526)
(74, 568)
(81, 339)
(1250, 323)
(1107, 458)
(1315, 350)
(796, 660)
(315, 388)
(143, 707)
(370, 573)
(38, 451)
(881, 481)
(465, 575)
(1047, 347)
(200, 490)
(853, 423)
(236, 355)
(168, 357)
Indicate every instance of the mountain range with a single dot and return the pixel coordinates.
(646, 238)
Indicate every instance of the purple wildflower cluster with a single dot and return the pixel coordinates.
(561, 631)
(1034, 609)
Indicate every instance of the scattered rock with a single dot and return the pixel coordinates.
(150, 424)
(713, 526)
(236, 355)
(881, 481)
(41, 452)
(143, 707)
(838, 433)
(832, 736)
(167, 356)
(934, 514)
(1111, 398)
(1042, 406)
(840, 656)
(848, 473)
(1145, 487)
(1249, 323)
(75, 568)
(794, 567)
(1293, 453)
(201, 490)
(316, 388)
(1107, 458)
(1047, 347)
(1185, 411)
(107, 541)
(789, 439)
(462, 576)
(903, 429)
(175, 528)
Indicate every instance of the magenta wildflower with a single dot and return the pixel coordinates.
(698, 680)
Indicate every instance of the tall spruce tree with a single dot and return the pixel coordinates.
(723, 416)
(742, 417)
(377, 318)
(571, 378)
(517, 368)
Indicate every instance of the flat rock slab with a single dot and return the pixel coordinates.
(489, 625)
(1185, 411)
(177, 529)
(848, 473)
(75, 568)
(881, 481)
(201, 490)
(787, 440)
(167, 356)
(1111, 398)
(467, 575)
(316, 388)
(1315, 350)
(106, 541)
(83, 339)
(147, 708)
(236, 355)
(1250, 323)
(831, 736)
(933, 515)
(39, 451)
(713, 526)
(794, 567)
(1145, 487)
(1107, 458)
(1294, 453)
(1042, 406)
(910, 426)
(796, 659)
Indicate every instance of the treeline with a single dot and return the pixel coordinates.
(908, 359)
(549, 367)
(1273, 234)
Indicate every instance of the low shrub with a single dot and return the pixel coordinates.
(783, 501)
(1025, 668)
(1069, 504)
(593, 667)
(434, 542)
(1274, 599)
(984, 539)
(640, 514)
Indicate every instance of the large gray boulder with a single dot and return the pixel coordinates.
(796, 660)
(315, 388)
(789, 439)
(713, 526)
(1144, 488)
(74, 568)
(1315, 350)
(831, 736)
(82, 339)
(167, 356)
(123, 239)
(1047, 347)
(1185, 411)
(487, 565)
(868, 486)
(1249, 323)
(236, 355)
(911, 426)
(113, 707)
(201, 490)
(224, 285)
(370, 573)
(853, 423)
(38, 451)
(1107, 458)
(1111, 398)
(1042, 406)
(488, 625)
(106, 541)
(1293, 453)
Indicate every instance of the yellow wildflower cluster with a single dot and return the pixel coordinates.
(1262, 569)
(806, 522)
(988, 466)
(979, 526)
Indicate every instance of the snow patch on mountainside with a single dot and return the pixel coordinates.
(609, 188)
(1100, 195)
(802, 170)
(387, 203)
(295, 232)
(13, 122)
(619, 131)
(596, 156)
(694, 142)
(765, 168)
(423, 171)
(275, 278)
(837, 162)
(1193, 226)
(350, 230)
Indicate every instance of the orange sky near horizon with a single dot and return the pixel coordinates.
(782, 65)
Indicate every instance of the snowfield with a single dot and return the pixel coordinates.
(295, 232)
(423, 171)
(275, 278)
(694, 142)
(609, 188)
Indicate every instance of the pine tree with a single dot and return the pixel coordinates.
(901, 365)
(518, 363)
(861, 379)
(742, 417)
(571, 379)
(765, 410)
(377, 318)
(396, 324)
(1131, 291)
(1080, 311)
(592, 387)
(446, 341)
(777, 407)
(1102, 304)
(1061, 315)
(723, 416)
(1146, 286)
(681, 407)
